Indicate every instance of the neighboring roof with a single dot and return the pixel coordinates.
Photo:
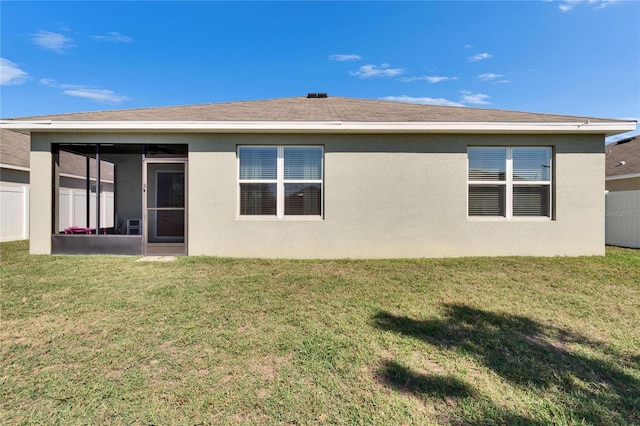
(623, 157)
(14, 151)
(330, 114)
(14, 148)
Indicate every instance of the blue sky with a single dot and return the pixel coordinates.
(574, 57)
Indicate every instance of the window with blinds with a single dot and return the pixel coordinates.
(509, 181)
(280, 181)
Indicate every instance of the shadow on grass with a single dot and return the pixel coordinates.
(526, 353)
(407, 381)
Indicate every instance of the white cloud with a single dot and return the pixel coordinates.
(429, 78)
(493, 78)
(97, 95)
(53, 83)
(54, 42)
(10, 74)
(474, 98)
(113, 37)
(422, 101)
(373, 71)
(467, 98)
(480, 57)
(48, 82)
(489, 76)
(567, 5)
(344, 58)
(91, 93)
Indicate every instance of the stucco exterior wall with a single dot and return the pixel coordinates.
(385, 196)
(396, 196)
(40, 196)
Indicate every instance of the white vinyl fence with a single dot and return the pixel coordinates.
(14, 210)
(73, 209)
(622, 211)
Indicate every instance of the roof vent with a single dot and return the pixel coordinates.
(316, 95)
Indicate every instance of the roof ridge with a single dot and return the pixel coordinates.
(300, 108)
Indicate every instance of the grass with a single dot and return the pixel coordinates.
(107, 340)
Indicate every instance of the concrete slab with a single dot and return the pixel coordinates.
(157, 259)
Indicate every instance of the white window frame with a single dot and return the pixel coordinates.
(509, 183)
(280, 182)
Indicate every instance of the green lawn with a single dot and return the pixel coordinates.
(107, 340)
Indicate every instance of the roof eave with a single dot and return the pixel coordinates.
(625, 176)
(601, 127)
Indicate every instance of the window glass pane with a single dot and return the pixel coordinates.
(487, 164)
(303, 163)
(258, 162)
(531, 200)
(531, 164)
(257, 198)
(487, 200)
(302, 199)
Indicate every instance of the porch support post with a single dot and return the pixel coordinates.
(87, 201)
(97, 189)
(41, 201)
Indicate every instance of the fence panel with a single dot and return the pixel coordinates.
(622, 213)
(14, 213)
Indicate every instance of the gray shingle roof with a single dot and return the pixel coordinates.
(14, 151)
(627, 150)
(14, 148)
(317, 109)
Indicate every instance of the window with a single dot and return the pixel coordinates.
(280, 181)
(510, 182)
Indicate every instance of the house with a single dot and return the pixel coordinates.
(328, 177)
(14, 185)
(623, 165)
(14, 188)
(622, 184)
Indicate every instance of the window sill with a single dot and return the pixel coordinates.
(513, 219)
(286, 218)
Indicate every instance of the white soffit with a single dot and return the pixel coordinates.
(600, 127)
(627, 176)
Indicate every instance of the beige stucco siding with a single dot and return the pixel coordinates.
(40, 201)
(385, 196)
(396, 196)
